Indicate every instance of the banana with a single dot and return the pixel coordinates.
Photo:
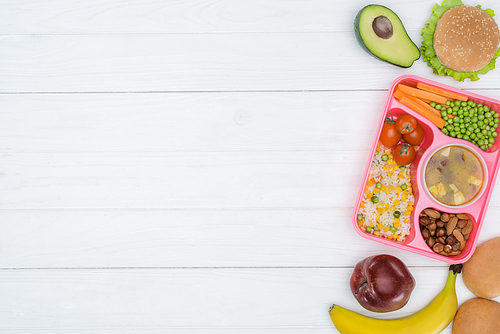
(432, 319)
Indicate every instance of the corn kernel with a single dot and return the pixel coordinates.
(385, 167)
(403, 197)
(376, 232)
(380, 226)
(393, 208)
(362, 205)
(396, 201)
(391, 188)
(386, 228)
(407, 213)
(398, 189)
(378, 219)
(376, 190)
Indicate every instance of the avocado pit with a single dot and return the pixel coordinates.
(382, 27)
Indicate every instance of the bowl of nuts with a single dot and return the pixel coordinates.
(445, 233)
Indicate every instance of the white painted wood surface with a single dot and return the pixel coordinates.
(191, 166)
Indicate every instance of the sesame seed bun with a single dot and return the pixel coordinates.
(466, 38)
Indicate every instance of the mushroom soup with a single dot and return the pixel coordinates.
(454, 175)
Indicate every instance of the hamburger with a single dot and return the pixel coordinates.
(460, 41)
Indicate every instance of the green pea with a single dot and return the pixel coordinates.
(360, 216)
(433, 104)
(402, 167)
(404, 186)
(368, 229)
(385, 157)
(374, 199)
(438, 107)
(375, 228)
(396, 214)
(379, 185)
(393, 229)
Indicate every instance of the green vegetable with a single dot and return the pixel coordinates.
(374, 199)
(379, 185)
(403, 186)
(475, 123)
(360, 216)
(393, 229)
(397, 214)
(368, 229)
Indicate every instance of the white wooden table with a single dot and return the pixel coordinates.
(192, 166)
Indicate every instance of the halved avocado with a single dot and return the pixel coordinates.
(381, 33)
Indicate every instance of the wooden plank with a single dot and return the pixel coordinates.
(189, 121)
(193, 16)
(199, 62)
(264, 179)
(254, 179)
(193, 238)
(191, 300)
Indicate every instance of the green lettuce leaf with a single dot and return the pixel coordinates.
(427, 48)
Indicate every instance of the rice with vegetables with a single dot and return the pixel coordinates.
(388, 199)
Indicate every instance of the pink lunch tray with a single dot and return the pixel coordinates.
(433, 139)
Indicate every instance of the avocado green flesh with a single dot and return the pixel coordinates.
(399, 49)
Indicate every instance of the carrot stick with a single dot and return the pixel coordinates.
(451, 116)
(438, 121)
(399, 94)
(425, 106)
(442, 92)
(422, 94)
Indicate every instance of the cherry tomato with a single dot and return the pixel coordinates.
(406, 124)
(404, 154)
(416, 137)
(389, 136)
